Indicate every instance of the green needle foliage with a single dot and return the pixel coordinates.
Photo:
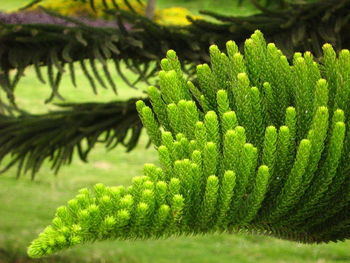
(100, 52)
(299, 25)
(259, 145)
(31, 139)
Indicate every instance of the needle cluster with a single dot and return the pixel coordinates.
(258, 144)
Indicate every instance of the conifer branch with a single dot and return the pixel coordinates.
(215, 174)
(56, 45)
(134, 40)
(58, 135)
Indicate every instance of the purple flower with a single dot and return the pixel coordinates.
(26, 17)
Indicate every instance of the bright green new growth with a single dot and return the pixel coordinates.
(259, 145)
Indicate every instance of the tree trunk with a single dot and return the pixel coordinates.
(151, 6)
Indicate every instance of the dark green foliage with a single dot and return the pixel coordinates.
(136, 40)
(291, 181)
(32, 139)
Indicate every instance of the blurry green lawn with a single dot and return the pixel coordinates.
(26, 207)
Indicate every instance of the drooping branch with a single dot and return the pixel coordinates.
(58, 135)
(139, 41)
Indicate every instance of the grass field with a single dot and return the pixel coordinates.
(26, 206)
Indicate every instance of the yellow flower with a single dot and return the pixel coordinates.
(173, 16)
(169, 16)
